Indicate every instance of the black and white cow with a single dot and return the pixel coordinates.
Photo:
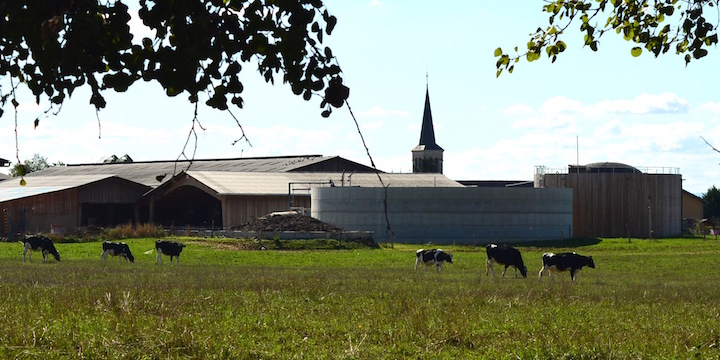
(42, 244)
(432, 257)
(121, 250)
(504, 255)
(170, 248)
(563, 262)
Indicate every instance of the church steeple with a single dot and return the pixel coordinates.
(428, 155)
(427, 132)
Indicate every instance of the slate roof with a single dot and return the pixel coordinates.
(154, 173)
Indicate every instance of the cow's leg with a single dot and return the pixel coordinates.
(489, 266)
(158, 259)
(540, 274)
(417, 262)
(45, 253)
(25, 252)
(505, 270)
(573, 274)
(104, 255)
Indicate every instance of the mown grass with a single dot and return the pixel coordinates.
(645, 300)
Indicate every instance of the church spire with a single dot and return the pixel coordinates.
(428, 155)
(427, 131)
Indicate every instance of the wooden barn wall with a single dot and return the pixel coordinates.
(241, 209)
(692, 207)
(37, 213)
(621, 205)
(112, 191)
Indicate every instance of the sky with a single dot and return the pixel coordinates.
(587, 107)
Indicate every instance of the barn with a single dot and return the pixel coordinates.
(53, 203)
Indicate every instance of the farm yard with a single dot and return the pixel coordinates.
(644, 299)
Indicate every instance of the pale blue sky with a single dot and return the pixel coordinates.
(604, 106)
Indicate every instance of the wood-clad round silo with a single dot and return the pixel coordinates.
(617, 200)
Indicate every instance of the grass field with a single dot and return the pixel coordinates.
(645, 300)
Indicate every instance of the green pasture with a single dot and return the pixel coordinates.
(645, 300)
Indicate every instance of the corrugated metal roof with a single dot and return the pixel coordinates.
(148, 173)
(252, 183)
(37, 185)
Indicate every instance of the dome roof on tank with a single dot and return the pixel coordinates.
(611, 167)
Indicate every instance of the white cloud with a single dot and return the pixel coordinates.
(711, 106)
(550, 121)
(561, 104)
(665, 103)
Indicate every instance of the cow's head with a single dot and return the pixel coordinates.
(591, 263)
(523, 271)
(130, 256)
(449, 258)
(55, 254)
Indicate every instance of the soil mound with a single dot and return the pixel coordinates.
(287, 221)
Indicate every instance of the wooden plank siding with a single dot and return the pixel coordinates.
(623, 204)
(64, 208)
(38, 213)
(241, 209)
(112, 191)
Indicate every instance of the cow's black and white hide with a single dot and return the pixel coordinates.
(42, 244)
(432, 257)
(504, 255)
(569, 261)
(121, 250)
(170, 248)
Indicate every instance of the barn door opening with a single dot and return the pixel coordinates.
(107, 214)
(188, 206)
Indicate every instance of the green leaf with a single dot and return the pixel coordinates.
(636, 51)
(498, 52)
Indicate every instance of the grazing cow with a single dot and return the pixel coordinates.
(121, 250)
(40, 243)
(170, 248)
(564, 262)
(432, 257)
(504, 255)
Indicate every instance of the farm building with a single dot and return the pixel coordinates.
(109, 194)
(230, 199)
(618, 200)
